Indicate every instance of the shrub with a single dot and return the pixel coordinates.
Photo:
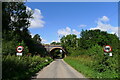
(21, 68)
(105, 66)
(9, 47)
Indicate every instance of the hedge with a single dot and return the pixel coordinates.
(22, 68)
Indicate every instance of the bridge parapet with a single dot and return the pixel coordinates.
(49, 47)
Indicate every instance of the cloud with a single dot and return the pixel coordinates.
(67, 31)
(75, 32)
(104, 19)
(43, 40)
(82, 25)
(28, 9)
(32, 35)
(37, 21)
(64, 31)
(57, 41)
(103, 26)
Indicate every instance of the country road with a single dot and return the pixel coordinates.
(59, 69)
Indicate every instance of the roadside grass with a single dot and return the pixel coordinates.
(84, 65)
(77, 64)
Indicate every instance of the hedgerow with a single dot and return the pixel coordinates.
(102, 66)
(22, 68)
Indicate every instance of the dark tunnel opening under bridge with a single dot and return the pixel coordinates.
(57, 53)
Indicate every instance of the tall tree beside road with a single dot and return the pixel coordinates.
(15, 22)
(69, 42)
(15, 16)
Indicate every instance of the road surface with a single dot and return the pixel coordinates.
(59, 69)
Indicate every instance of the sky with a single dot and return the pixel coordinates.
(72, 0)
(52, 20)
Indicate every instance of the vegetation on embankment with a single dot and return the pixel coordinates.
(15, 21)
(22, 68)
(87, 66)
(86, 53)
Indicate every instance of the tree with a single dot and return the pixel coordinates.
(15, 17)
(15, 29)
(90, 38)
(37, 38)
(55, 43)
(69, 40)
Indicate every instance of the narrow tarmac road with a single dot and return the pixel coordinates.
(59, 69)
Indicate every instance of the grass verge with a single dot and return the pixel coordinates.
(82, 65)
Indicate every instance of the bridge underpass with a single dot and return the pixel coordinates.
(56, 51)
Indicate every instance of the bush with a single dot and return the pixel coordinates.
(105, 66)
(9, 47)
(21, 68)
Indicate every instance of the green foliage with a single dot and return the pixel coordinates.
(9, 47)
(69, 40)
(90, 38)
(103, 66)
(22, 68)
(37, 38)
(55, 43)
(15, 16)
(15, 30)
(87, 53)
(55, 53)
(79, 65)
(85, 65)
